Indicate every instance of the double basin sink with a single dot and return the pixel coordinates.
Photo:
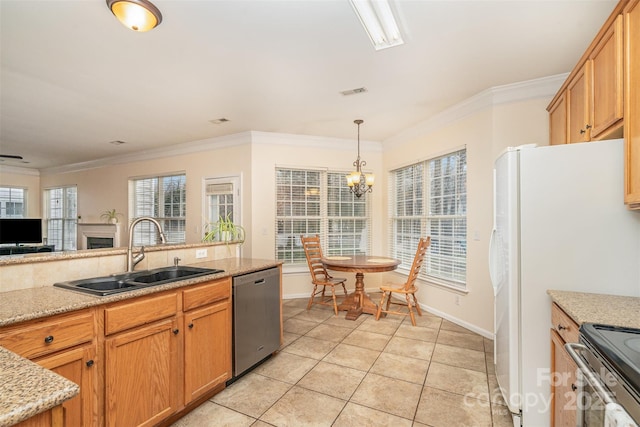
(130, 281)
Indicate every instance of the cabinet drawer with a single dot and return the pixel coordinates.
(206, 294)
(131, 314)
(564, 325)
(48, 336)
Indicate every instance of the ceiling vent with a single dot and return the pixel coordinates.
(354, 91)
(219, 121)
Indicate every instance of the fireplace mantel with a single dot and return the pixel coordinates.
(98, 230)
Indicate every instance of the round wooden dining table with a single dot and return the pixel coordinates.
(359, 302)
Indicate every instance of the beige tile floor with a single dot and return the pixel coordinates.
(336, 372)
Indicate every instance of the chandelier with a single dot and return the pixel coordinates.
(358, 182)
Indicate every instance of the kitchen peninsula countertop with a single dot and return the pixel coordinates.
(27, 389)
(614, 310)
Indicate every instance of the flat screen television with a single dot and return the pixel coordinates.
(20, 230)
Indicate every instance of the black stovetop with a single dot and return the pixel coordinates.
(619, 346)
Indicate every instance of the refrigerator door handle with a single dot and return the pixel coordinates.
(492, 259)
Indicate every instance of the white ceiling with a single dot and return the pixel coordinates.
(73, 78)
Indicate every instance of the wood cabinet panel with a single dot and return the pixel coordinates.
(578, 107)
(564, 325)
(48, 336)
(558, 121)
(145, 310)
(208, 293)
(631, 16)
(606, 76)
(141, 375)
(54, 417)
(77, 365)
(207, 355)
(563, 384)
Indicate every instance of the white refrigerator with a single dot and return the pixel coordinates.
(559, 223)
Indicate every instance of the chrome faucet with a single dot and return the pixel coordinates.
(132, 260)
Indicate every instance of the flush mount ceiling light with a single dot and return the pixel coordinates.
(138, 15)
(358, 182)
(378, 20)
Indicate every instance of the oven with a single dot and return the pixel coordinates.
(608, 360)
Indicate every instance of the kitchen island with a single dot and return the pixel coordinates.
(44, 390)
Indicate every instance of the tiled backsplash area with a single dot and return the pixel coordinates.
(23, 272)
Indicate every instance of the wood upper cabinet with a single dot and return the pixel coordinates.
(594, 91)
(558, 121)
(606, 106)
(142, 361)
(631, 16)
(578, 94)
(207, 338)
(563, 370)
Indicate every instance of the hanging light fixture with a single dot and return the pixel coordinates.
(358, 182)
(137, 15)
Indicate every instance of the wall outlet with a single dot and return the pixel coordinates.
(201, 253)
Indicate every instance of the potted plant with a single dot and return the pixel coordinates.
(223, 230)
(110, 216)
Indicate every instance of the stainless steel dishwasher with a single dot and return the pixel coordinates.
(256, 318)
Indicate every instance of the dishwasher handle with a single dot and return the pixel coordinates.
(259, 282)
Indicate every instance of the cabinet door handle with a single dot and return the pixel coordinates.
(190, 325)
(561, 328)
(573, 387)
(48, 339)
(176, 331)
(582, 131)
(587, 126)
(90, 363)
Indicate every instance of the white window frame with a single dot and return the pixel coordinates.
(321, 218)
(146, 233)
(68, 221)
(446, 262)
(8, 195)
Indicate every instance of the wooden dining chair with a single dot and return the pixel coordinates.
(319, 275)
(409, 288)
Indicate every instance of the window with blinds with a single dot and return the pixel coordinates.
(430, 199)
(312, 202)
(164, 199)
(61, 217)
(13, 202)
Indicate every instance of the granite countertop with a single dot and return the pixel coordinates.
(27, 389)
(614, 310)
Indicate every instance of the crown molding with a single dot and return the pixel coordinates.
(309, 141)
(545, 87)
(19, 170)
(173, 150)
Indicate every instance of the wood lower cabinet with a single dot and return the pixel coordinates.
(65, 344)
(207, 338)
(141, 380)
(142, 360)
(207, 349)
(631, 17)
(563, 370)
(54, 417)
(79, 366)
